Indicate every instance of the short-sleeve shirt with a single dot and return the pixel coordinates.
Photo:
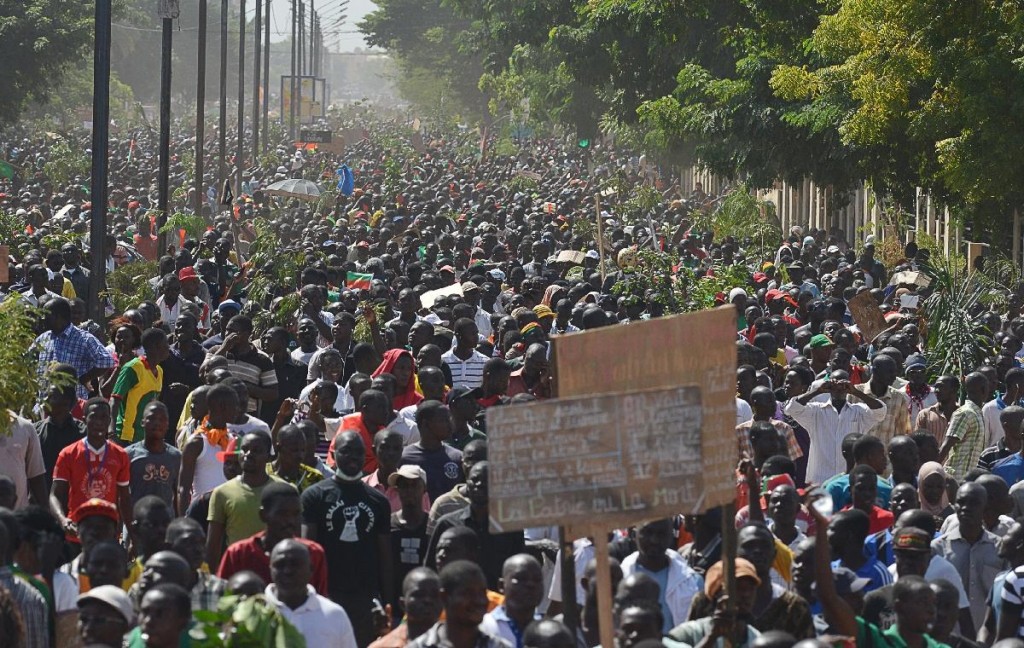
(408, 549)
(21, 457)
(466, 373)
(92, 474)
(73, 346)
(249, 555)
(136, 386)
(1010, 468)
(443, 467)
(968, 426)
(236, 505)
(154, 473)
(255, 368)
(1013, 592)
(348, 518)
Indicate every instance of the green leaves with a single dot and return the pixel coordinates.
(19, 386)
(244, 622)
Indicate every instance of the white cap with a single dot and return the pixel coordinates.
(113, 596)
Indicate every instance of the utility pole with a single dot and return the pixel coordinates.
(168, 11)
(293, 100)
(266, 79)
(200, 197)
(222, 175)
(302, 42)
(100, 143)
(311, 68)
(256, 63)
(240, 153)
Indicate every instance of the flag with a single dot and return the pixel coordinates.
(131, 151)
(358, 280)
(226, 195)
(6, 170)
(346, 180)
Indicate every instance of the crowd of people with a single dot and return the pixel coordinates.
(322, 443)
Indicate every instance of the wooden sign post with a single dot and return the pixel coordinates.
(641, 434)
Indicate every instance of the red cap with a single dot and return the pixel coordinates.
(230, 450)
(187, 273)
(363, 244)
(759, 277)
(95, 506)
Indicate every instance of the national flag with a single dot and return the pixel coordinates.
(6, 170)
(358, 280)
(131, 151)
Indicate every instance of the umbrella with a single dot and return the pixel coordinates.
(294, 188)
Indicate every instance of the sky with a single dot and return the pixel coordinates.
(350, 38)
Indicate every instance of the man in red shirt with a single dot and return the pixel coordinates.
(864, 492)
(374, 413)
(91, 468)
(281, 511)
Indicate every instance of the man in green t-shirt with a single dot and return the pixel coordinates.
(235, 505)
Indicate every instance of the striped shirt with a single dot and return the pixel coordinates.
(897, 413)
(33, 608)
(827, 428)
(466, 373)
(255, 368)
(136, 386)
(784, 430)
(934, 421)
(968, 426)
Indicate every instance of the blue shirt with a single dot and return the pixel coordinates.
(1010, 468)
(71, 346)
(839, 489)
(873, 570)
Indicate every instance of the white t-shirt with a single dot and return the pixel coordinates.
(940, 568)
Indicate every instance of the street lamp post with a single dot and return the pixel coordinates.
(168, 11)
(100, 143)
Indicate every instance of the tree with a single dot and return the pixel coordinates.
(929, 91)
(39, 39)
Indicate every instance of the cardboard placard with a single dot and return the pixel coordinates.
(5, 264)
(672, 383)
(910, 278)
(570, 256)
(575, 460)
(867, 315)
(315, 136)
(428, 298)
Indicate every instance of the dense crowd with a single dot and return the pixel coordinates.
(315, 437)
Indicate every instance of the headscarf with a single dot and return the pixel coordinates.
(551, 295)
(408, 395)
(928, 469)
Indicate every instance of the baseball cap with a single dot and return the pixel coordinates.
(736, 292)
(113, 596)
(593, 254)
(847, 581)
(187, 273)
(363, 244)
(409, 471)
(229, 304)
(455, 393)
(469, 285)
(542, 311)
(714, 579)
(230, 450)
(821, 340)
(95, 506)
(912, 539)
(497, 274)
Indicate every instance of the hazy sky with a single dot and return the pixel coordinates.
(350, 38)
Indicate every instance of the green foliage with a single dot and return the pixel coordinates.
(272, 273)
(752, 221)
(128, 285)
(244, 622)
(39, 39)
(193, 224)
(956, 342)
(19, 385)
(66, 160)
(702, 292)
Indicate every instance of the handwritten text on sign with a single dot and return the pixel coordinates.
(566, 461)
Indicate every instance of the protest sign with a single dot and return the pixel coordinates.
(867, 315)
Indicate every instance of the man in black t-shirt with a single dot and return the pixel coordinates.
(352, 522)
(441, 462)
(408, 525)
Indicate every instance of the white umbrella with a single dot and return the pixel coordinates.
(294, 188)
